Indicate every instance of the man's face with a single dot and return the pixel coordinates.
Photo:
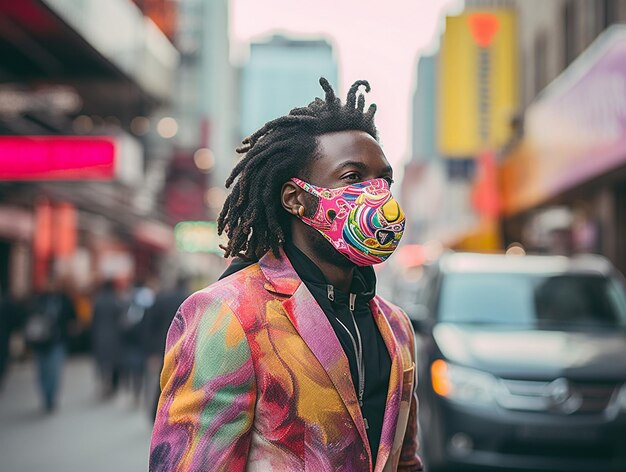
(348, 157)
(344, 158)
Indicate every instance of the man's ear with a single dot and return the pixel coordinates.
(291, 198)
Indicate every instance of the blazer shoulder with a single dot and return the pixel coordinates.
(226, 291)
(241, 293)
(390, 309)
(396, 316)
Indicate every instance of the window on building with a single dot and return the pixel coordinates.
(541, 62)
(569, 16)
(609, 12)
(620, 11)
(614, 12)
(620, 225)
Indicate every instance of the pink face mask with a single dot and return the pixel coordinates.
(362, 221)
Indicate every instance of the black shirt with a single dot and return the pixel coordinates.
(376, 357)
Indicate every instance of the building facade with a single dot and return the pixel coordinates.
(556, 182)
(78, 83)
(282, 74)
(564, 180)
(424, 112)
(466, 94)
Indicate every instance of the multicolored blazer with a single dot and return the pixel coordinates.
(255, 379)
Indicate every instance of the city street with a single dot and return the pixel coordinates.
(463, 162)
(84, 434)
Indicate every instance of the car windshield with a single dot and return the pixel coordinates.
(532, 299)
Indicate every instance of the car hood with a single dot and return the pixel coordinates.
(540, 354)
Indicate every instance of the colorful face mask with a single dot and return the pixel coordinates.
(362, 221)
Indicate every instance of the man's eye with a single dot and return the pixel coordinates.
(352, 177)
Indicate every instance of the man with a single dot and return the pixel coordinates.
(106, 337)
(7, 322)
(292, 363)
(47, 331)
(132, 327)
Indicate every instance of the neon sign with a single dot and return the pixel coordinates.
(57, 157)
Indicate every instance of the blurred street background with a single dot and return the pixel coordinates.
(87, 435)
(504, 120)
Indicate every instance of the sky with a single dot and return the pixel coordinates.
(374, 40)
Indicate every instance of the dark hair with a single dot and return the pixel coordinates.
(253, 216)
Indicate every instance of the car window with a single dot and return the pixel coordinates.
(485, 298)
(617, 293)
(532, 299)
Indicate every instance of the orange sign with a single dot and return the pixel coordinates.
(484, 27)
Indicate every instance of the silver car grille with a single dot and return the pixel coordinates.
(559, 396)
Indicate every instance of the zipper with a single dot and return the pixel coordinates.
(358, 347)
(360, 360)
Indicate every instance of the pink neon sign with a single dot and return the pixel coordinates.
(57, 157)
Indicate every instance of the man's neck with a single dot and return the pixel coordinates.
(337, 275)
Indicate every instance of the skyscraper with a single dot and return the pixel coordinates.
(281, 74)
(425, 109)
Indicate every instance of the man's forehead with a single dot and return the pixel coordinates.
(342, 148)
(347, 140)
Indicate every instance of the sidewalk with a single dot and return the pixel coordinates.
(83, 435)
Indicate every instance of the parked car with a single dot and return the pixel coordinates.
(522, 363)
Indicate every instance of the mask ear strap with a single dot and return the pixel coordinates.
(307, 187)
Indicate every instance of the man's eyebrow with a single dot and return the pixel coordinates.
(358, 164)
(362, 167)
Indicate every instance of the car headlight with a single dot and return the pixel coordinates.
(462, 384)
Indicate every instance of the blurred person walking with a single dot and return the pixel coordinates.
(46, 331)
(132, 324)
(12, 318)
(157, 323)
(7, 321)
(291, 361)
(106, 337)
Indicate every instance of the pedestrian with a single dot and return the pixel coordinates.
(132, 336)
(292, 362)
(157, 323)
(47, 332)
(6, 326)
(105, 337)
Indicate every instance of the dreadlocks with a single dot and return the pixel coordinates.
(253, 216)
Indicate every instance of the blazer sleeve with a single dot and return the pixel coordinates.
(206, 408)
(409, 458)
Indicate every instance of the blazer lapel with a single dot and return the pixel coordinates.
(394, 393)
(316, 331)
